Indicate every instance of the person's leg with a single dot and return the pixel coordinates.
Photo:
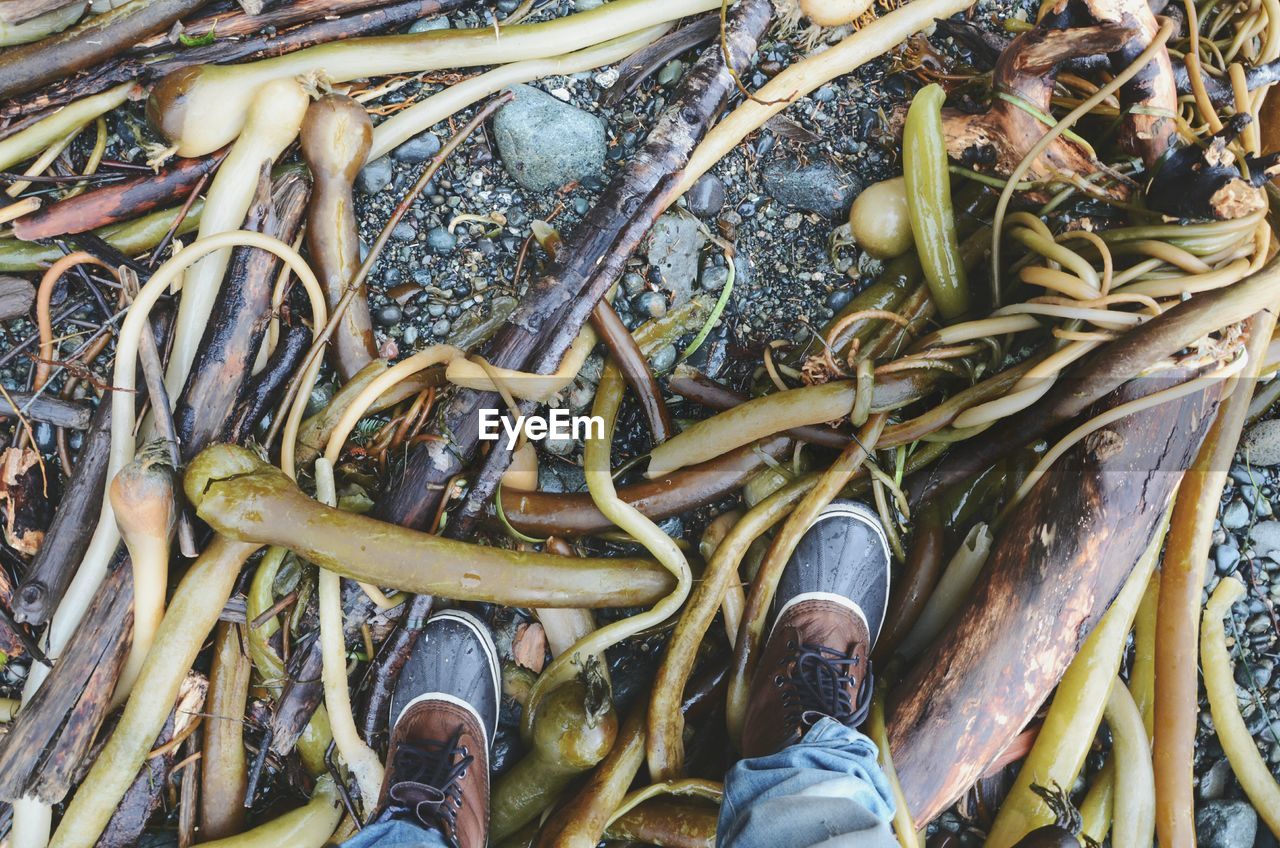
(396, 833)
(809, 778)
(444, 713)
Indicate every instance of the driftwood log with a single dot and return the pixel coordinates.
(99, 37)
(1055, 568)
(118, 202)
(21, 111)
(51, 735)
(220, 372)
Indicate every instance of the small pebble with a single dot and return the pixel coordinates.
(440, 240)
(388, 315)
(375, 176)
(404, 231)
(1235, 516)
(428, 24)
(651, 303)
(664, 359)
(670, 72)
(714, 277)
(420, 148)
(706, 196)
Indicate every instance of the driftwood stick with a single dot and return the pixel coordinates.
(142, 799)
(74, 415)
(239, 23)
(1063, 555)
(30, 66)
(263, 392)
(17, 11)
(117, 202)
(221, 370)
(64, 544)
(51, 735)
(152, 67)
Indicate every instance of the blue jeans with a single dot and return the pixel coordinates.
(826, 790)
(396, 834)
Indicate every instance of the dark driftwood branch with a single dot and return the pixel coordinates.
(17, 11)
(545, 514)
(49, 738)
(238, 23)
(1057, 565)
(117, 202)
(265, 390)
(646, 61)
(142, 799)
(16, 297)
(64, 544)
(152, 67)
(635, 369)
(220, 374)
(72, 414)
(30, 66)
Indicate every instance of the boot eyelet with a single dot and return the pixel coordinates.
(778, 680)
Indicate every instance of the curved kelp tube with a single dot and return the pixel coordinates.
(192, 613)
(244, 498)
(309, 826)
(1219, 683)
(203, 107)
(275, 116)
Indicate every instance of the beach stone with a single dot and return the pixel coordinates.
(375, 176)
(817, 186)
(1261, 445)
(545, 143)
(1265, 537)
(673, 249)
(1226, 824)
(418, 149)
(706, 196)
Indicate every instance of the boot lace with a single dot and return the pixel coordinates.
(820, 684)
(431, 792)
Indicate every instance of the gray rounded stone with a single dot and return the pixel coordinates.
(374, 177)
(1226, 824)
(545, 143)
(706, 196)
(1261, 444)
(816, 186)
(420, 148)
(440, 240)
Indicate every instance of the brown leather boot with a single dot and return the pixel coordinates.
(444, 715)
(831, 602)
